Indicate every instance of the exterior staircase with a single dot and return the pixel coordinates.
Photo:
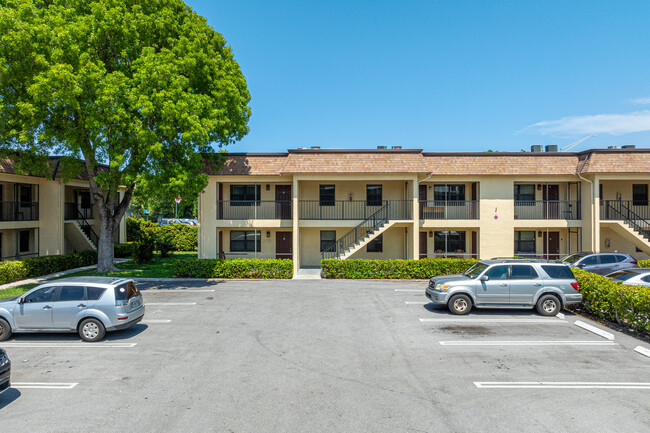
(630, 225)
(360, 236)
(88, 233)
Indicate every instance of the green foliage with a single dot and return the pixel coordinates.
(125, 249)
(183, 237)
(393, 269)
(234, 268)
(15, 270)
(144, 247)
(613, 301)
(165, 244)
(644, 263)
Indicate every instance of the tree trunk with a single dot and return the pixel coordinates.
(105, 251)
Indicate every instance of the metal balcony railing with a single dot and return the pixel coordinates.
(547, 210)
(449, 210)
(18, 211)
(252, 209)
(74, 211)
(354, 209)
(622, 210)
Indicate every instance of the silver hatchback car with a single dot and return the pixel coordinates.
(547, 286)
(90, 306)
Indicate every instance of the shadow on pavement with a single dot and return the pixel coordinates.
(8, 397)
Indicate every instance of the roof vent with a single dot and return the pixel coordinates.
(302, 148)
(397, 147)
(382, 147)
(536, 148)
(629, 146)
(613, 147)
(315, 147)
(551, 148)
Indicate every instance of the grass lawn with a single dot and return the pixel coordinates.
(158, 268)
(16, 291)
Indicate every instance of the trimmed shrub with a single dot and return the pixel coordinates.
(393, 269)
(644, 263)
(15, 270)
(184, 237)
(234, 268)
(125, 249)
(165, 244)
(613, 301)
(144, 247)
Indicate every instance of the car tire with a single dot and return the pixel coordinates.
(5, 330)
(460, 304)
(548, 305)
(91, 330)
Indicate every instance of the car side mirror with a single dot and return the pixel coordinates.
(485, 278)
(581, 265)
(21, 300)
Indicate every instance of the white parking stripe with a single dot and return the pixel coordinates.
(42, 385)
(565, 385)
(595, 330)
(71, 345)
(150, 291)
(527, 343)
(410, 290)
(458, 320)
(416, 303)
(170, 303)
(642, 351)
(157, 321)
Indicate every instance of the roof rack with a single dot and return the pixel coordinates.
(523, 260)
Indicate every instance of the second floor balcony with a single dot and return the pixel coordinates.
(449, 210)
(254, 209)
(354, 209)
(622, 210)
(18, 211)
(547, 210)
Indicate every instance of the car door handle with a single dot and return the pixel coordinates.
(47, 307)
(538, 284)
(81, 305)
(503, 284)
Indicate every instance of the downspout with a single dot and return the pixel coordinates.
(593, 199)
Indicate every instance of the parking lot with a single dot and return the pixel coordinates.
(310, 355)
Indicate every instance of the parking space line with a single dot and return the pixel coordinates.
(150, 291)
(170, 303)
(528, 343)
(595, 330)
(409, 290)
(642, 351)
(416, 302)
(457, 320)
(564, 385)
(71, 345)
(156, 321)
(42, 385)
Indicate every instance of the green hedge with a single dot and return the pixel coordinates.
(125, 249)
(184, 237)
(616, 302)
(393, 269)
(15, 270)
(644, 263)
(234, 268)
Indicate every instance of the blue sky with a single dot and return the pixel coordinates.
(440, 75)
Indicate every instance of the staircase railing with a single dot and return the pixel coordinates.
(618, 210)
(85, 226)
(347, 241)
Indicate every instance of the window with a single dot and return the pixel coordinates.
(41, 295)
(589, 261)
(376, 245)
(497, 273)
(449, 242)
(525, 242)
(25, 194)
(24, 241)
(523, 272)
(607, 259)
(94, 293)
(243, 241)
(558, 272)
(327, 239)
(326, 195)
(373, 195)
(449, 192)
(72, 293)
(245, 195)
(620, 258)
(524, 192)
(640, 195)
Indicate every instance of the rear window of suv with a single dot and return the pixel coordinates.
(558, 272)
(124, 292)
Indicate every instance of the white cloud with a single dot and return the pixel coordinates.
(613, 124)
(641, 101)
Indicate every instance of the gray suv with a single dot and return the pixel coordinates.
(601, 263)
(90, 306)
(548, 286)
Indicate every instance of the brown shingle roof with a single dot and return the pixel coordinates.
(501, 164)
(355, 162)
(617, 163)
(255, 165)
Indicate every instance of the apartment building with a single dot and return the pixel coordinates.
(40, 217)
(310, 204)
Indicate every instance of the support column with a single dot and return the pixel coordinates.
(296, 228)
(596, 216)
(207, 210)
(415, 216)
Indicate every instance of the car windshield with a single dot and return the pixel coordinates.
(622, 275)
(475, 270)
(571, 258)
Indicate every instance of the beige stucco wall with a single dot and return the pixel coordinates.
(617, 243)
(267, 248)
(207, 213)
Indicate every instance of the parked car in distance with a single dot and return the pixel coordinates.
(600, 263)
(5, 371)
(509, 283)
(90, 306)
(632, 277)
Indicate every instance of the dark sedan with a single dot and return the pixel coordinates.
(5, 371)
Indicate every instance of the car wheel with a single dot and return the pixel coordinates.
(5, 330)
(91, 330)
(460, 304)
(548, 305)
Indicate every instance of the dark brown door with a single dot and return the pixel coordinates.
(283, 245)
(283, 202)
(474, 208)
(551, 196)
(552, 245)
(474, 245)
(423, 245)
(422, 198)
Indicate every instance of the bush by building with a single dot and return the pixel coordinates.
(393, 269)
(234, 268)
(182, 236)
(15, 270)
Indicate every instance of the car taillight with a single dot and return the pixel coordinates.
(576, 286)
(634, 262)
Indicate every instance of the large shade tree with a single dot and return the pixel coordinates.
(134, 93)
